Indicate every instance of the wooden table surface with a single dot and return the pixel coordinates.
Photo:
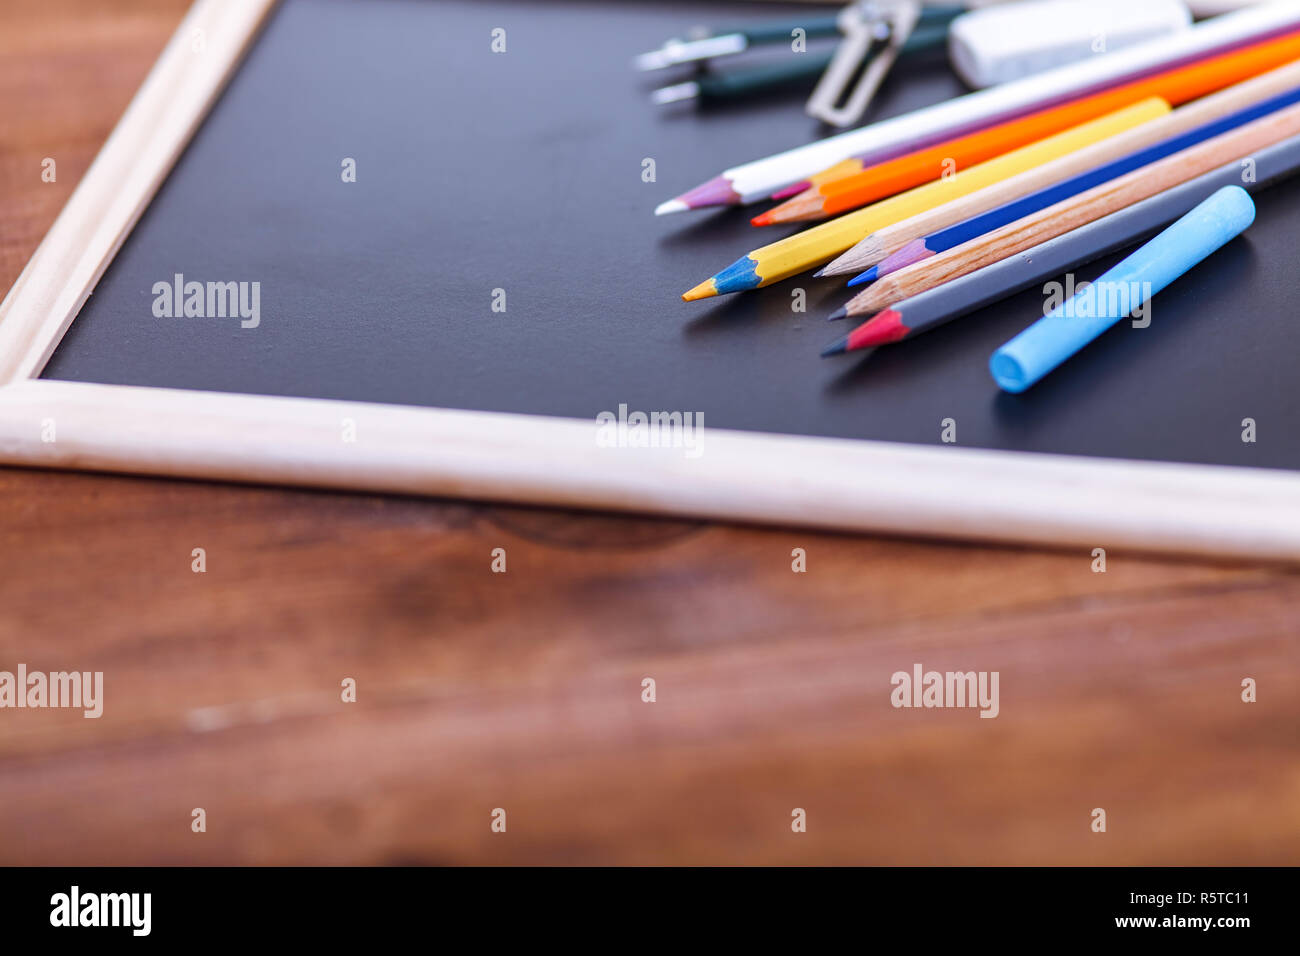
(522, 691)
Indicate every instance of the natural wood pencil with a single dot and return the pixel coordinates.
(885, 242)
(1073, 213)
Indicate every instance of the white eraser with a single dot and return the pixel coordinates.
(1009, 42)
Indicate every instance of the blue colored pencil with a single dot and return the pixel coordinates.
(945, 239)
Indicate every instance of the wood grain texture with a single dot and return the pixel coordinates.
(479, 690)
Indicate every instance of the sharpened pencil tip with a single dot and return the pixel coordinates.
(762, 219)
(716, 192)
(820, 273)
(865, 277)
(705, 290)
(838, 314)
(884, 328)
(838, 347)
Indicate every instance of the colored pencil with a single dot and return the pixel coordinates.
(814, 246)
(966, 114)
(919, 250)
(1082, 209)
(1027, 269)
(1177, 86)
(883, 242)
(1070, 327)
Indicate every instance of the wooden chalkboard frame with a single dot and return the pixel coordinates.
(1057, 501)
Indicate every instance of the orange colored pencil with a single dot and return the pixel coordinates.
(839, 193)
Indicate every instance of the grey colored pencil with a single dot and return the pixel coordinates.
(1028, 268)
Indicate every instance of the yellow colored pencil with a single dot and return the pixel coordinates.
(820, 244)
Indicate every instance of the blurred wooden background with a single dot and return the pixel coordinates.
(523, 690)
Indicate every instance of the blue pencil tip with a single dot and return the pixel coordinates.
(820, 273)
(868, 276)
(838, 314)
(740, 276)
(836, 348)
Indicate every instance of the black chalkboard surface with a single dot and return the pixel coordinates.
(522, 171)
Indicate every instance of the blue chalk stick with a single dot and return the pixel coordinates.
(1068, 328)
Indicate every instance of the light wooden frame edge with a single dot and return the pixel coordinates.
(947, 492)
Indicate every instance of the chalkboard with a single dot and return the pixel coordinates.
(522, 171)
